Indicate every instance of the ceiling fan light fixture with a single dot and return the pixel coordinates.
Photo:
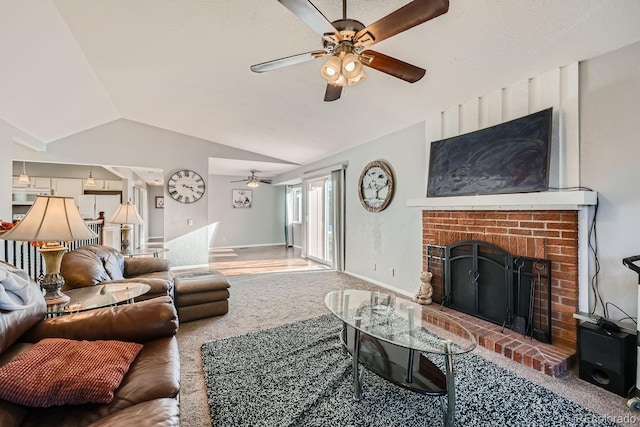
(340, 81)
(351, 65)
(253, 184)
(331, 70)
(357, 79)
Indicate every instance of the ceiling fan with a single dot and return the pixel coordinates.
(253, 180)
(347, 42)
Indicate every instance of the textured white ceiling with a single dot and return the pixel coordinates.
(69, 65)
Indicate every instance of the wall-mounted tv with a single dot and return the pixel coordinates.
(512, 157)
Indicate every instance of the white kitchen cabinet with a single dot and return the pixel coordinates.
(67, 187)
(104, 184)
(35, 182)
(112, 185)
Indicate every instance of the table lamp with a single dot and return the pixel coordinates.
(125, 215)
(50, 221)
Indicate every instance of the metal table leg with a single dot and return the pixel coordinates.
(357, 386)
(451, 387)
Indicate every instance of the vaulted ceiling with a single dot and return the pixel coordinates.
(70, 65)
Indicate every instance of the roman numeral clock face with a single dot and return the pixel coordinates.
(186, 186)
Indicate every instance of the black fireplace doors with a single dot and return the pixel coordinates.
(487, 282)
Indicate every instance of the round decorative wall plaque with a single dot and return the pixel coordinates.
(375, 188)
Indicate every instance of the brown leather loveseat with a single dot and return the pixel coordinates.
(147, 394)
(95, 264)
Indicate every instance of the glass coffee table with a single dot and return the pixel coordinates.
(145, 251)
(390, 338)
(98, 296)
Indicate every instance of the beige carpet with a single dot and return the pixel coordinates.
(262, 301)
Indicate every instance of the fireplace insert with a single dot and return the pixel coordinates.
(487, 282)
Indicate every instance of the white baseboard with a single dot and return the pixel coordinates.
(384, 285)
(188, 267)
(246, 246)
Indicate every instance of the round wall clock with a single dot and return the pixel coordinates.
(376, 186)
(186, 186)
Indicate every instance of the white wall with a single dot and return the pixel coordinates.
(262, 224)
(156, 215)
(610, 164)
(391, 238)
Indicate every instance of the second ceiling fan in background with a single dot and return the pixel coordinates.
(347, 42)
(253, 180)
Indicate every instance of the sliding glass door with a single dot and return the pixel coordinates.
(320, 220)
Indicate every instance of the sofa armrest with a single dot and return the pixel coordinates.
(139, 322)
(136, 266)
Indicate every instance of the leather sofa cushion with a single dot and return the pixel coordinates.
(81, 268)
(134, 267)
(155, 413)
(11, 415)
(185, 300)
(15, 323)
(139, 322)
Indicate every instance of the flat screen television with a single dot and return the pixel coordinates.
(512, 157)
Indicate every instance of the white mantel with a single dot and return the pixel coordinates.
(546, 200)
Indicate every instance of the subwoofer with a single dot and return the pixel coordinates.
(607, 358)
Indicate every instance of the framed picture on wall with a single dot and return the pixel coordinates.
(241, 198)
(159, 202)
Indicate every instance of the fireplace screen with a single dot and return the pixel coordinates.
(485, 281)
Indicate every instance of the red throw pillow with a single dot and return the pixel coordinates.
(57, 371)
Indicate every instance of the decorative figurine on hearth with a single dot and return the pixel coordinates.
(426, 289)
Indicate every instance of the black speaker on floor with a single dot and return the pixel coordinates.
(607, 358)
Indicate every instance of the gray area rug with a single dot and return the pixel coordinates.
(298, 375)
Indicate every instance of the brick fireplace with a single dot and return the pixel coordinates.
(547, 234)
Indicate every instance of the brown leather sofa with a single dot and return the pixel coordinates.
(95, 264)
(148, 393)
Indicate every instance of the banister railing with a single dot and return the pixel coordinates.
(25, 256)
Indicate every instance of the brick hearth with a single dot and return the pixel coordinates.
(552, 235)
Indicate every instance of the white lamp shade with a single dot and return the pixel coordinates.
(126, 214)
(357, 79)
(51, 219)
(331, 70)
(351, 66)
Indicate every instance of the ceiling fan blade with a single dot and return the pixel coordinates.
(392, 66)
(240, 180)
(289, 60)
(310, 15)
(332, 93)
(266, 181)
(408, 16)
